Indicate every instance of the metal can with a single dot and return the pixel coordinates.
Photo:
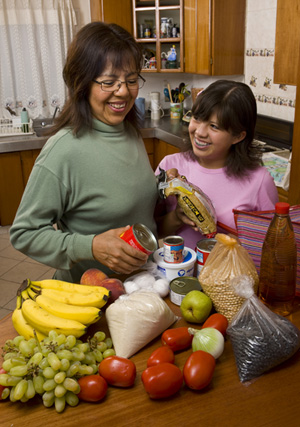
(147, 33)
(173, 249)
(182, 286)
(140, 237)
(203, 249)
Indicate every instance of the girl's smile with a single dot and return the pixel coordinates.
(210, 143)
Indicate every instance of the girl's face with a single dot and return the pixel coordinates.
(112, 107)
(211, 144)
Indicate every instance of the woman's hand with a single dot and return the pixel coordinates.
(110, 250)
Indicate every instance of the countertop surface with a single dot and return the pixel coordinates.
(174, 132)
(272, 400)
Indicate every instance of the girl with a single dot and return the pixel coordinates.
(223, 161)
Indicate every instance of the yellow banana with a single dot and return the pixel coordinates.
(75, 298)
(21, 325)
(59, 285)
(85, 315)
(45, 321)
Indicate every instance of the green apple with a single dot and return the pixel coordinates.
(195, 307)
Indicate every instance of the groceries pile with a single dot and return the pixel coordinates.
(50, 357)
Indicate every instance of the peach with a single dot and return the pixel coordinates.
(115, 286)
(93, 277)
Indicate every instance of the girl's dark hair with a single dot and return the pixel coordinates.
(93, 47)
(235, 107)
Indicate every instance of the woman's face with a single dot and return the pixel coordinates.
(211, 144)
(112, 107)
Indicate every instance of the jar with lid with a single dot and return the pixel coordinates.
(278, 268)
(163, 27)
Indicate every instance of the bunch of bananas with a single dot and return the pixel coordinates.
(47, 305)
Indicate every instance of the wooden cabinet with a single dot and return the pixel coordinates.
(15, 169)
(294, 188)
(157, 150)
(162, 149)
(287, 42)
(149, 144)
(116, 11)
(158, 25)
(214, 36)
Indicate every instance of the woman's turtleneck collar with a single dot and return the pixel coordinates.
(103, 127)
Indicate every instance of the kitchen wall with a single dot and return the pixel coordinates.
(272, 99)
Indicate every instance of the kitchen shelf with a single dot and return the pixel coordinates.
(147, 16)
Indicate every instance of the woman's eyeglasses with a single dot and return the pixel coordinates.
(114, 85)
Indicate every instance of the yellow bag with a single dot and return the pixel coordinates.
(227, 260)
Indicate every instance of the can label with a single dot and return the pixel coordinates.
(181, 286)
(140, 237)
(173, 249)
(203, 249)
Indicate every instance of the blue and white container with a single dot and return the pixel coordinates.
(171, 271)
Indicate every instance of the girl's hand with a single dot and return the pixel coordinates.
(183, 218)
(110, 250)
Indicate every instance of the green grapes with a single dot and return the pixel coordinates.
(51, 368)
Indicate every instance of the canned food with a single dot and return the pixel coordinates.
(173, 249)
(140, 237)
(180, 287)
(203, 249)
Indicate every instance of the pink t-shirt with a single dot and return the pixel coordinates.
(257, 192)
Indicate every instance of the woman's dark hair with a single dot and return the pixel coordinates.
(93, 47)
(235, 107)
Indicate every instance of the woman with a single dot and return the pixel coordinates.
(93, 178)
(223, 160)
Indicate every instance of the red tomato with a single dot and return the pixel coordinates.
(217, 321)
(177, 338)
(162, 380)
(118, 371)
(92, 388)
(161, 355)
(198, 370)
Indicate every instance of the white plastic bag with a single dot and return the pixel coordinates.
(136, 319)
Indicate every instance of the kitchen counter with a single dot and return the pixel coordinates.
(174, 132)
(271, 400)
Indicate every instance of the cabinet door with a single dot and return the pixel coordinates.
(214, 36)
(228, 37)
(162, 149)
(287, 42)
(11, 186)
(15, 169)
(149, 145)
(27, 160)
(116, 11)
(197, 36)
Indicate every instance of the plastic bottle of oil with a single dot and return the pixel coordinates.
(278, 268)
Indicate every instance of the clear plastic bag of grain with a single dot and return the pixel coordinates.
(227, 260)
(260, 338)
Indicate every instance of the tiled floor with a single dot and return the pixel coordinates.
(14, 268)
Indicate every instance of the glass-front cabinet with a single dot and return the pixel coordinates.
(158, 25)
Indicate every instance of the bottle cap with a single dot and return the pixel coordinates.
(282, 208)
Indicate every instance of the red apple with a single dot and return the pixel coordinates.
(115, 286)
(93, 277)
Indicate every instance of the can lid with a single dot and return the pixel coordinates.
(282, 208)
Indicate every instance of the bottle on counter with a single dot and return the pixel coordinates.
(24, 120)
(278, 268)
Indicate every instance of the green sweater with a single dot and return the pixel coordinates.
(87, 185)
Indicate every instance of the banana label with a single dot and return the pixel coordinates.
(193, 208)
